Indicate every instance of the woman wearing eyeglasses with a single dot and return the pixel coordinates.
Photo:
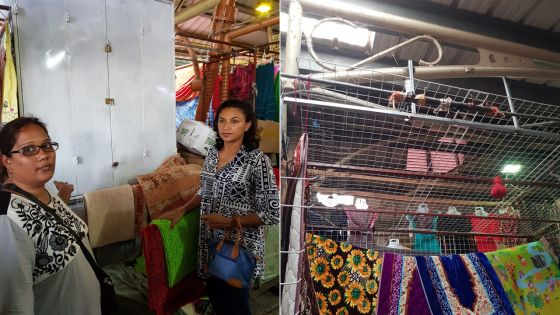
(42, 267)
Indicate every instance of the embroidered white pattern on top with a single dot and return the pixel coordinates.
(55, 246)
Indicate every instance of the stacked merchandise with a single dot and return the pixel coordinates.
(351, 280)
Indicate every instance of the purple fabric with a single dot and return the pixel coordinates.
(383, 299)
(396, 280)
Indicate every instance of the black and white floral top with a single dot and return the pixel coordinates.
(245, 185)
(42, 268)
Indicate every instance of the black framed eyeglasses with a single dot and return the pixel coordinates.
(32, 149)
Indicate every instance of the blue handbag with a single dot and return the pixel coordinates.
(231, 262)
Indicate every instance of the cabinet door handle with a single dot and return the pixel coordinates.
(115, 164)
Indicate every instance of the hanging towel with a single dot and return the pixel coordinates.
(462, 284)
(170, 187)
(110, 215)
(530, 278)
(400, 288)
(9, 85)
(180, 245)
(345, 278)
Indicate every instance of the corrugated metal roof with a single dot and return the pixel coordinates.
(540, 14)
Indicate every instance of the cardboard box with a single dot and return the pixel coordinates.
(269, 131)
(196, 136)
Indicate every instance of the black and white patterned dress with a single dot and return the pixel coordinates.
(244, 186)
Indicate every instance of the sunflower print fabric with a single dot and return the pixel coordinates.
(345, 278)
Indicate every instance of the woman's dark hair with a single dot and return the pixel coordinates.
(250, 138)
(8, 137)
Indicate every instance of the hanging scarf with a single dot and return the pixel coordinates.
(9, 85)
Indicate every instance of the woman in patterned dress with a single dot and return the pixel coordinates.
(236, 180)
(42, 268)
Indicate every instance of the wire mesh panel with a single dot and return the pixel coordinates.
(424, 162)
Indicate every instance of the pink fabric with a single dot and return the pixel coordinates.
(416, 160)
(440, 162)
(363, 219)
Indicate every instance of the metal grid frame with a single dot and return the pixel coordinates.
(360, 146)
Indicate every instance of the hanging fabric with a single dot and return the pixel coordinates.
(241, 82)
(345, 277)
(265, 104)
(484, 225)
(530, 278)
(9, 85)
(423, 241)
(400, 289)
(462, 284)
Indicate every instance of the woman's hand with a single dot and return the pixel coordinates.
(217, 221)
(173, 215)
(64, 190)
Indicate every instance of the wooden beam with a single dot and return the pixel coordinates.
(430, 175)
(401, 181)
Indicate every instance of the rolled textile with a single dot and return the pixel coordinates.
(141, 217)
(110, 215)
(400, 289)
(169, 188)
(530, 277)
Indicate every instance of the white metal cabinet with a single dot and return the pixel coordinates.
(66, 75)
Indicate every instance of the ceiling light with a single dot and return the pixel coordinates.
(263, 7)
(511, 168)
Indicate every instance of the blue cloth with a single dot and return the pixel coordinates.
(265, 103)
(185, 110)
(449, 285)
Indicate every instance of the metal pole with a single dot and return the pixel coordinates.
(293, 38)
(511, 107)
(433, 119)
(409, 86)
(366, 16)
(431, 100)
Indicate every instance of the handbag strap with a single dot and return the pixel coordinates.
(238, 238)
(11, 188)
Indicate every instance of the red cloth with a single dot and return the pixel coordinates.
(276, 171)
(485, 225)
(185, 92)
(498, 190)
(162, 299)
(241, 82)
